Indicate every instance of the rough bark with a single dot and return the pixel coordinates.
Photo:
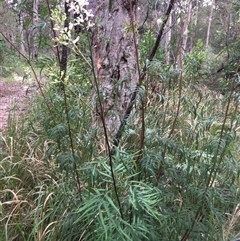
(114, 58)
(143, 73)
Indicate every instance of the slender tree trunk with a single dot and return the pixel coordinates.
(34, 32)
(21, 31)
(195, 22)
(184, 33)
(186, 25)
(114, 59)
(64, 55)
(196, 13)
(20, 27)
(168, 40)
(210, 22)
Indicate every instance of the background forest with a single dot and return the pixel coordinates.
(133, 132)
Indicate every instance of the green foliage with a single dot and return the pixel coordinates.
(57, 181)
(199, 179)
(9, 62)
(197, 60)
(146, 43)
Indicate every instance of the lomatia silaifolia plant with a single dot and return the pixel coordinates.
(173, 173)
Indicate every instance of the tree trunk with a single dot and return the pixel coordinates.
(195, 22)
(168, 40)
(114, 59)
(21, 30)
(184, 33)
(64, 54)
(210, 22)
(186, 24)
(34, 32)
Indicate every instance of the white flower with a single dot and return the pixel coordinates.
(76, 40)
(159, 21)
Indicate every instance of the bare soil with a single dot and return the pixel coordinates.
(11, 94)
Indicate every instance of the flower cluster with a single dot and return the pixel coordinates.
(78, 8)
(80, 16)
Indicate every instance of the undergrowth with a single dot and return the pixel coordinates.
(186, 180)
(62, 179)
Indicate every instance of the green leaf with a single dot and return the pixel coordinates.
(110, 5)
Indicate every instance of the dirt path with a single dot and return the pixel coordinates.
(10, 94)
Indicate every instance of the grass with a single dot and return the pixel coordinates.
(25, 178)
(59, 181)
(39, 199)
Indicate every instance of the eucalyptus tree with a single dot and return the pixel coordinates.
(115, 56)
(116, 59)
(35, 32)
(12, 23)
(210, 21)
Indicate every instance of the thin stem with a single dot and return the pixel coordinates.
(71, 141)
(142, 76)
(53, 32)
(213, 170)
(105, 134)
(160, 33)
(160, 168)
(142, 136)
(135, 42)
(210, 181)
(63, 72)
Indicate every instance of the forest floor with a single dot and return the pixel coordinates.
(12, 96)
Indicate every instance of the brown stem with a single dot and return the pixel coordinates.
(142, 76)
(196, 219)
(106, 135)
(160, 168)
(160, 33)
(63, 72)
(210, 182)
(142, 136)
(135, 41)
(54, 33)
